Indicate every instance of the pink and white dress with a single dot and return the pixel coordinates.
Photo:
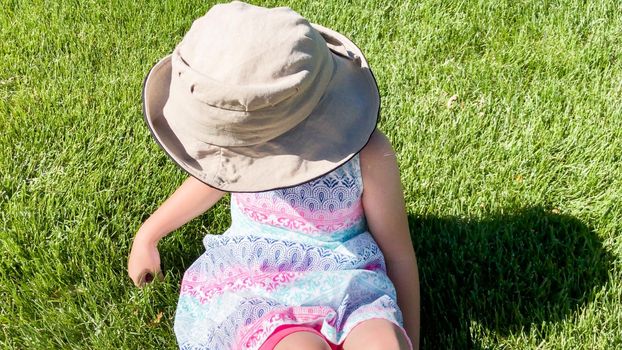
(300, 255)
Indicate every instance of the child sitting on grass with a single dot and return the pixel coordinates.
(282, 114)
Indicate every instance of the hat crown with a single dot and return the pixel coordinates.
(235, 143)
(244, 57)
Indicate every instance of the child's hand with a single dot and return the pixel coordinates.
(144, 262)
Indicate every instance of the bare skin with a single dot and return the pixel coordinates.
(383, 203)
(302, 341)
(190, 200)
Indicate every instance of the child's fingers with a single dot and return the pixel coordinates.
(141, 280)
(148, 277)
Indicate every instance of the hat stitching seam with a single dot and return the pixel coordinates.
(221, 181)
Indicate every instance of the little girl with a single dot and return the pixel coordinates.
(282, 114)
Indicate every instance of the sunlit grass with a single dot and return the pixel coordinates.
(507, 120)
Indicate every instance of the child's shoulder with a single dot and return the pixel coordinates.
(377, 152)
(379, 169)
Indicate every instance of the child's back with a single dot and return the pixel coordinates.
(298, 255)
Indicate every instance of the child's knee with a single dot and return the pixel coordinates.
(376, 334)
(302, 341)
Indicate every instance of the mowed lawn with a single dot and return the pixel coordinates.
(506, 116)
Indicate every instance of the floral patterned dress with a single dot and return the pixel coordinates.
(297, 255)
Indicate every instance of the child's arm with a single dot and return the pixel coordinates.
(383, 203)
(190, 200)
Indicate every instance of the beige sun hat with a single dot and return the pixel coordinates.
(254, 99)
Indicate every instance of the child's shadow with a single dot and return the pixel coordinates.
(503, 273)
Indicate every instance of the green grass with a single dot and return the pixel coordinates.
(514, 192)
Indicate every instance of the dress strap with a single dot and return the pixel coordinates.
(356, 160)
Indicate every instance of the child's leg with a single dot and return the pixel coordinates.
(294, 337)
(302, 340)
(376, 334)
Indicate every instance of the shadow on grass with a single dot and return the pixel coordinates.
(506, 272)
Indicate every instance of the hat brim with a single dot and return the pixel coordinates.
(337, 129)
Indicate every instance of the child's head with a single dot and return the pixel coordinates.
(254, 99)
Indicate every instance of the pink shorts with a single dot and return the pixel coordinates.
(284, 330)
